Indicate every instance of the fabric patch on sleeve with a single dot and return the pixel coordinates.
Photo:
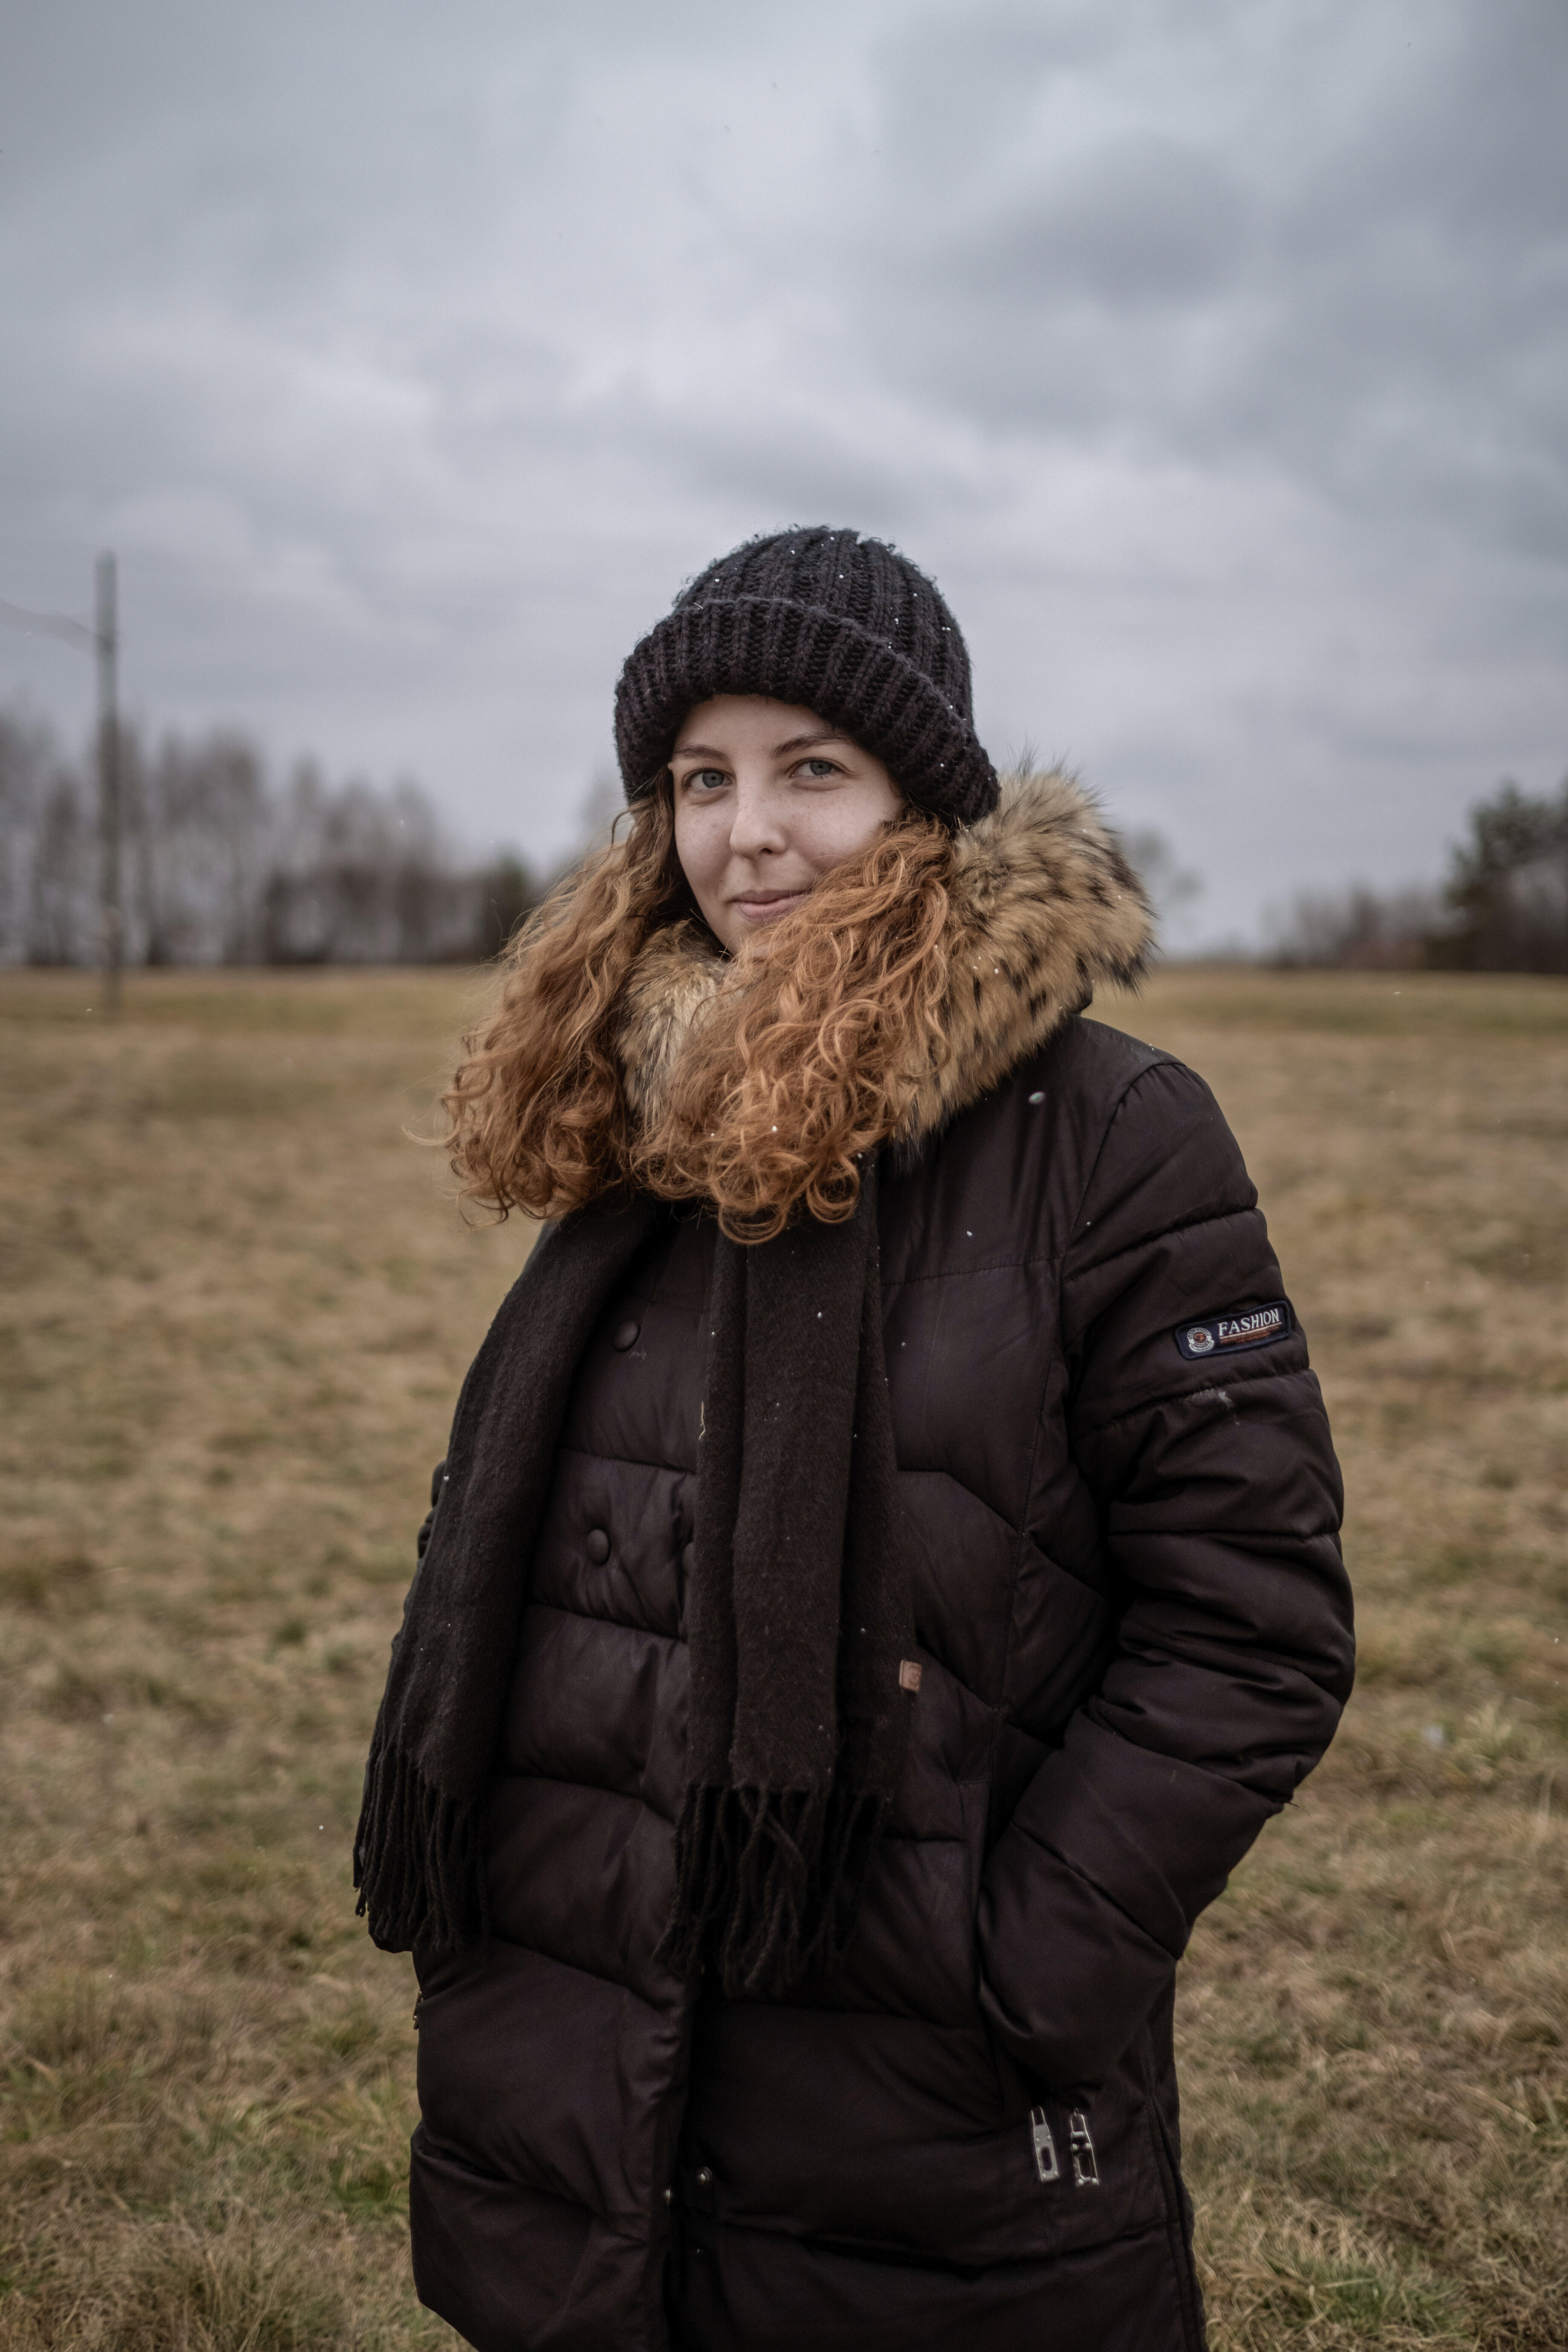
(1228, 1334)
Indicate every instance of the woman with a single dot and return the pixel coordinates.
(861, 1622)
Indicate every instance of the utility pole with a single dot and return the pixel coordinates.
(103, 641)
(107, 634)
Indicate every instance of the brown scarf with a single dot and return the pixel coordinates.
(799, 1614)
(798, 1609)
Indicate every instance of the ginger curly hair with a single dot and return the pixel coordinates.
(796, 1061)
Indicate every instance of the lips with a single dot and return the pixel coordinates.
(766, 907)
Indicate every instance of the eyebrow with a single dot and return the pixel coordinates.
(792, 743)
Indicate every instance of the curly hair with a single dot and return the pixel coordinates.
(802, 1058)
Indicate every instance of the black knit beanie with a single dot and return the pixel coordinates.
(845, 626)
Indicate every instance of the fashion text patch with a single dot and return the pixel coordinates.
(1226, 1335)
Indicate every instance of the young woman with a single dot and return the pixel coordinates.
(885, 1572)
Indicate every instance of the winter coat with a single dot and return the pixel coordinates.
(1120, 1505)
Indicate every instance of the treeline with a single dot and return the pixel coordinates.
(1502, 906)
(220, 864)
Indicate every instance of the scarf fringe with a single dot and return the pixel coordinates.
(418, 1861)
(768, 1883)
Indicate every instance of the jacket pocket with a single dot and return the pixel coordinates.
(513, 2270)
(1083, 2172)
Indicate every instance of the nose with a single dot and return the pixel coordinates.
(755, 830)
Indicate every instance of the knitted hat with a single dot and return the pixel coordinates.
(845, 626)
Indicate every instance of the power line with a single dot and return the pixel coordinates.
(49, 625)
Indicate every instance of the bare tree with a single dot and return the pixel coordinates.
(208, 817)
(62, 911)
(1356, 930)
(28, 756)
(361, 877)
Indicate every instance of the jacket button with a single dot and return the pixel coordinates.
(705, 2178)
(598, 1546)
(626, 1335)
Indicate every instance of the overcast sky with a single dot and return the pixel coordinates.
(1213, 357)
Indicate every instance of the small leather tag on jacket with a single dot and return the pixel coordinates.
(909, 1673)
(1228, 1334)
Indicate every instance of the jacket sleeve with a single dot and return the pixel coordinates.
(437, 1480)
(1220, 1499)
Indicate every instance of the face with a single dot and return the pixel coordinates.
(768, 798)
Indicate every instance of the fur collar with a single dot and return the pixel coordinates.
(1045, 907)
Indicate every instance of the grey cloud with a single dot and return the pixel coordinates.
(1143, 223)
(1378, 308)
(1211, 353)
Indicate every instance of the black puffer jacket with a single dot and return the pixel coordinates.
(1119, 1504)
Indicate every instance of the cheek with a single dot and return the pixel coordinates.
(699, 844)
(838, 826)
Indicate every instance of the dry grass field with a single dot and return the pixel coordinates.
(235, 1305)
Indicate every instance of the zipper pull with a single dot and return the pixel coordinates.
(1044, 2146)
(418, 2005)
(1085, 2169)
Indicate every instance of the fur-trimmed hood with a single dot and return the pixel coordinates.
(1044, 906)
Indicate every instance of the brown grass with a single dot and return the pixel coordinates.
(234, 1311)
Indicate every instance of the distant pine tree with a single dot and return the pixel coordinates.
(1507, 891)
